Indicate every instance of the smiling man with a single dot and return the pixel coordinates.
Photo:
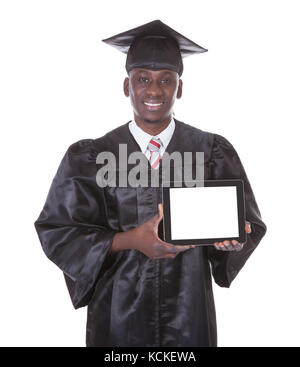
(140, 290)
(153, 94)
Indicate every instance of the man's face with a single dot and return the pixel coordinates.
(152, 94)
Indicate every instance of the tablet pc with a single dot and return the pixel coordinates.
(211, 211)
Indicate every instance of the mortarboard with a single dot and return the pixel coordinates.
(154, 46)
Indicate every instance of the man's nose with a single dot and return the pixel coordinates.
(154, 89)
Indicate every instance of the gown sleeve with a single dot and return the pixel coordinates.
(72, 226)
(226, 164)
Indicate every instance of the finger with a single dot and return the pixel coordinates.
(217, 245)
(157, 218)
(166, 247)
(221, 246)
(247, 227)
(170, 256)
(172, 253)
(175, 253)
(160, 213)
(169, 248)
(228, 245)
(237, 245)
(173, 249)
(182, 248)
(190, 246)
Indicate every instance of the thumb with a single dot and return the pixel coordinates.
(157, 218)
(248, 227)
(159, 215)
(160, 212)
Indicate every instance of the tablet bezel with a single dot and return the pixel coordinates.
(239, 184)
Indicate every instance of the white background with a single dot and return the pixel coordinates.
(59, 84)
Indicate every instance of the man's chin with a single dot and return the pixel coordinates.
(152, 121)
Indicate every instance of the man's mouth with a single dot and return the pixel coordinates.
(153, 104)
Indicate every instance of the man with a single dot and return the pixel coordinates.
(140, 290)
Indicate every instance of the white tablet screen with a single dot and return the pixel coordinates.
(204, 212)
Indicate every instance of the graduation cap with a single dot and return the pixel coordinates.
(154, 46)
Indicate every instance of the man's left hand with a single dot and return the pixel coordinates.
(232, 245)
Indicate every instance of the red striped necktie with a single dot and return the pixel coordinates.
(154, 148)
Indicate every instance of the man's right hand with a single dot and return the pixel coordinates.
(144, 238)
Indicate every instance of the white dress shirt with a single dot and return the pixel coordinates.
(143, 138)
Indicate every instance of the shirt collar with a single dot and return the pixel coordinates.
(143, 138)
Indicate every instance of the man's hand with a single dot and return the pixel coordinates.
(144, 238)
(232, 245)
(151, 245)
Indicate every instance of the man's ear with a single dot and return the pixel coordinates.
(126, 87)
(179, 90)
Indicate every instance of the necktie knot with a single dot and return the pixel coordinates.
(154, 145)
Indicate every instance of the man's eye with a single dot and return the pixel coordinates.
(143, 79)
(165, 81)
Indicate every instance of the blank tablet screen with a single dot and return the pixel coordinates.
(203, 214)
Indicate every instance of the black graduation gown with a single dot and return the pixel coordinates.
(133, 300)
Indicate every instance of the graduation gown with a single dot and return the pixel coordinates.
(133, 300)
